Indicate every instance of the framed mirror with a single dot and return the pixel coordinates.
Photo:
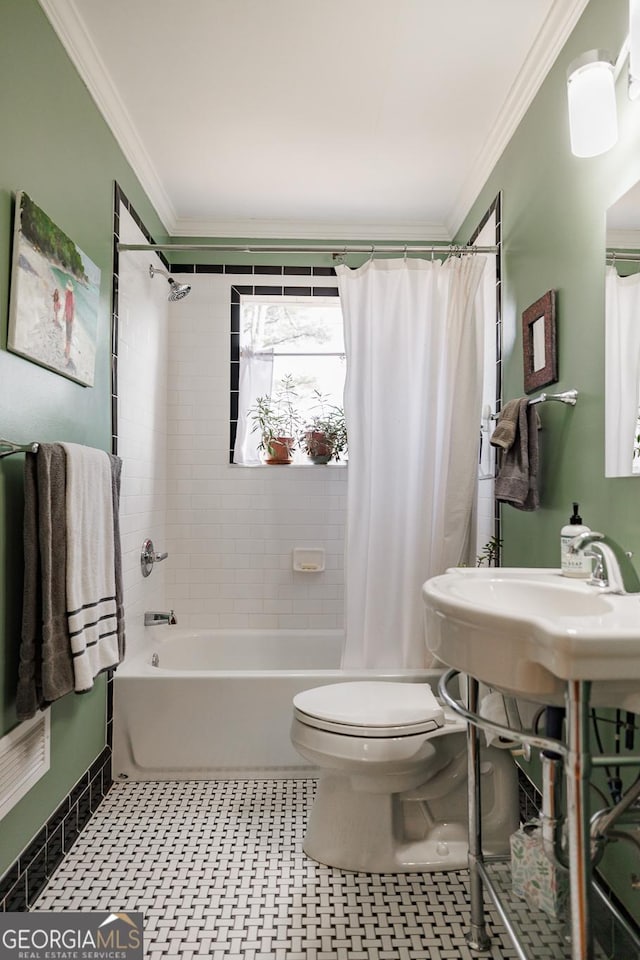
(539, 343)
(622, 337)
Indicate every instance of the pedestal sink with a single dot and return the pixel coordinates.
(528, 631)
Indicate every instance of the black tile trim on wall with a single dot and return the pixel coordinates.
(27, 877)
(258, 269)
(262, 290)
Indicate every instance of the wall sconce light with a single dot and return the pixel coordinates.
(593, 121)
(591, 79)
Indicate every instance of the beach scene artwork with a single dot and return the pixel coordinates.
(55, 291)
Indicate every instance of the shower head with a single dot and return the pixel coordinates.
(178, 290)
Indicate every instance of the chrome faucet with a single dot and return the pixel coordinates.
(154, 617)
(613, 570)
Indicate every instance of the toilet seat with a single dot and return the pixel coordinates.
(370, 709)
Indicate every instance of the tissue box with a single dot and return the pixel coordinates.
(534, 878)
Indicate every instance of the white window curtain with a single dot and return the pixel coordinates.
(413, 393)
(256, 380)
(622, 370)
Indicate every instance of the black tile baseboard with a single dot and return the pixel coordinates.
(27, 877)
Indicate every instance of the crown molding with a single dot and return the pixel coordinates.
(68, 25)
(311, 230)
(551, 38)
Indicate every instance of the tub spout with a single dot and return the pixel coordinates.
(154, 617)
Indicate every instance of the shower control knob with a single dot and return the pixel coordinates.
(149, 556)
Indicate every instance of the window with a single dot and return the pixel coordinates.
(292, 353)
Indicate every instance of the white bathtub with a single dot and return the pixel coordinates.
(218, 705)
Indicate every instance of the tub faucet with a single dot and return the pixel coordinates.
(154, 617)
(614, 570)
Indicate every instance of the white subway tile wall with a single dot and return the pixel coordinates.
(142, 429)
(231, 530)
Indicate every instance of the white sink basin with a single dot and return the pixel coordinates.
(528, 631)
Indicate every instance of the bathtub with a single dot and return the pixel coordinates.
(218, 703)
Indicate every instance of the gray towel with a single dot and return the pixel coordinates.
(116, 473)
(46, 667)
(57, 662)
(507, 426)
(517, 480)
(29, 692)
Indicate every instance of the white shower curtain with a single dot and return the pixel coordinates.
(413, 336)
(255, 380)
(622, 370)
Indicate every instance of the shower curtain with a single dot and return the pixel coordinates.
(413, 337)
(256, 380)
(622, 370)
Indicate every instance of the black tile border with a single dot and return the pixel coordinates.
(261, 290)
(28, 875)
(248, 269)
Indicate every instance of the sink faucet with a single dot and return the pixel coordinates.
(614, 569)
(154, 617)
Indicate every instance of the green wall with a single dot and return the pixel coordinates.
(554, 208)
(57, 147)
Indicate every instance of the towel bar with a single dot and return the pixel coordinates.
(569, 396)
(7, 447)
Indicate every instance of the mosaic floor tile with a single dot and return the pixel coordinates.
(218, 871)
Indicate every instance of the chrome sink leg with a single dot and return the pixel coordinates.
(577, 771)
(477, 938)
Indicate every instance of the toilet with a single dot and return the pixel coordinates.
(392, 794)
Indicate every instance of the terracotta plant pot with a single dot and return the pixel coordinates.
(319, 446)
(278, 450)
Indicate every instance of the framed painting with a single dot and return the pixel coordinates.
(539, 343)
(55, 291)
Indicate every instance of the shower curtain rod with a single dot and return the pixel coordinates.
(620, 255)
(337, 249)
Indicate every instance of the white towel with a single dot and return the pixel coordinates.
(91, 590)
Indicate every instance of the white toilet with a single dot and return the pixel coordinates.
(392, 795)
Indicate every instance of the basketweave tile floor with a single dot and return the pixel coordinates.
(217, 869)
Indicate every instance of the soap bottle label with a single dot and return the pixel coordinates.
(573, 564)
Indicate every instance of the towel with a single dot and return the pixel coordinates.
(90, 574)
(505, 431)
(57, 662)
(29, 692)
(517, 480)
(46, 666)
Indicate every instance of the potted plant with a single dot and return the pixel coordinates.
(324, 436)
(278, 421)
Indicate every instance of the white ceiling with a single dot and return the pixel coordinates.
(308, 118)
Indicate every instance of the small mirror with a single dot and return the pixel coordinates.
(537, 332)
(622, 337)
(539, 343)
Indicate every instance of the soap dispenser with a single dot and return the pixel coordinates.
(574, 564)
